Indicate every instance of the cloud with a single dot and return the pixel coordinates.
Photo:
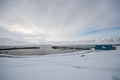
(59, 20)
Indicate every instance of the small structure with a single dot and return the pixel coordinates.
(103, 47)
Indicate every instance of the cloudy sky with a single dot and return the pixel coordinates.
(59, 20)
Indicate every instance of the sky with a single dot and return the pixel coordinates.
(59, 20)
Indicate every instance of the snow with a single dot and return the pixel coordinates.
(11, 42)
(8, 42)
(95, 65)
(118, 47)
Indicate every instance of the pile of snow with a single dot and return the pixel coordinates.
(96, 65)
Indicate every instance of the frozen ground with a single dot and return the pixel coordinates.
(96, 65)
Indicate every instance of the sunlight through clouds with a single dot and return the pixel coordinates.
(60, 20)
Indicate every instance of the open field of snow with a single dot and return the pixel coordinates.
(95, 65)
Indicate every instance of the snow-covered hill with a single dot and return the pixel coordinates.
(115, 40)
(9, 42)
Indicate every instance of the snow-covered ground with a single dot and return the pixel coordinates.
(95, 65)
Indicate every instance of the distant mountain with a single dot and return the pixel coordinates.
(7, 41)
(110, 40)
(113, 40)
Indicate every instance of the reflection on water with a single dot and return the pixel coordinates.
(41, 51)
